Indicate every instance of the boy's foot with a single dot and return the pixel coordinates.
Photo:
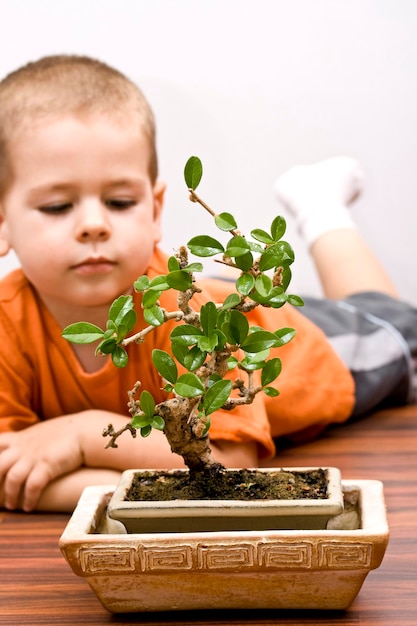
(318, 195)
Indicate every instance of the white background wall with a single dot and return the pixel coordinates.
(254, 87)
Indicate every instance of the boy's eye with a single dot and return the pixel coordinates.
(59, 207)
(120, 203)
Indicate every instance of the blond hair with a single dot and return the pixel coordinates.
(61, 84)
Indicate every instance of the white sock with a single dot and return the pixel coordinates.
(318, 195)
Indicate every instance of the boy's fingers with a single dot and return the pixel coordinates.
(8, 458)
(36, 482)
(14, 482)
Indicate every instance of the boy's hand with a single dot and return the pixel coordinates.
(33, 457)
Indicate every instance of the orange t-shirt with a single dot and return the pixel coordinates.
(41, 378)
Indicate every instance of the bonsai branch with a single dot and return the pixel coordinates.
(140, 336)
(196, 198)
(246, 393)
(115, 434)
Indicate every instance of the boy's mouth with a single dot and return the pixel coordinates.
(94, 265)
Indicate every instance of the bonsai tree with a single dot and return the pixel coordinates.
(225, 362)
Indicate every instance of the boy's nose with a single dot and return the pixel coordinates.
(92, 223)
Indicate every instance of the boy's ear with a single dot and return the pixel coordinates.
(4, 242)
(158, 204)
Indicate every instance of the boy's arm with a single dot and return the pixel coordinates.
(152, 452)
(33, 458)
(62, 494)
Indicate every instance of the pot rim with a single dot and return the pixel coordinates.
(332, 505)
(83, 525)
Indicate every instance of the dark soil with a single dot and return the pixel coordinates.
(229, 485)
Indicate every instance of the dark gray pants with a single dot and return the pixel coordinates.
(376, 337)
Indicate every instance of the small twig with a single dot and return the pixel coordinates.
(246, 394)
(140, 336)
(134, 405)
(196, 198)
(115, 434)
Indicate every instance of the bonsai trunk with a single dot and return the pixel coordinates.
(186, 433)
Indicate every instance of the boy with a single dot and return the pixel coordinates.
(80, 203)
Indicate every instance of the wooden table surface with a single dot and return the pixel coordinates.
(37, 587)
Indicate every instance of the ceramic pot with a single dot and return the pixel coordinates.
(288, 569)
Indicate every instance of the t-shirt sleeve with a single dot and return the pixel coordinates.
(245, 424)
(16, 386)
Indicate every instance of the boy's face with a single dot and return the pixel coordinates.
(81, 213)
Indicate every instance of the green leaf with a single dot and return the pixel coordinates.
(255, 361)
(111, 329)
(119, 357)
(194, 267)
(231, 301)
(276, 255)
(141, 283)
(270, 372)
(278, 228)
(204, 246)
(262, 235)
(189, 386)
(271, 392)
(145, 431)
(165, 365)
(260, 340)
(191, 358)
(180, 280)
(275, 299)
(286, 276)
(173, 264)
(119, 308)
(122, 331)
(193, 172)
(295, 300)
(236, 328)
(150, 297)
(107, 346)
(126, 324)
(221, 339)
(284, 335)
(214, 378)
(82, 332)
(216, 396)
(245, 283)
(224, 316)
(258, 357)
(248, 364)
(244, 262)
(158, 422)
(185, 335)
(140, 421)
(225, 221)
(147, 404)
(153, 315)
(208, 317)
(208, 343)
(256, 247)
(263, 285)
(237, 246)
(159, 283)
